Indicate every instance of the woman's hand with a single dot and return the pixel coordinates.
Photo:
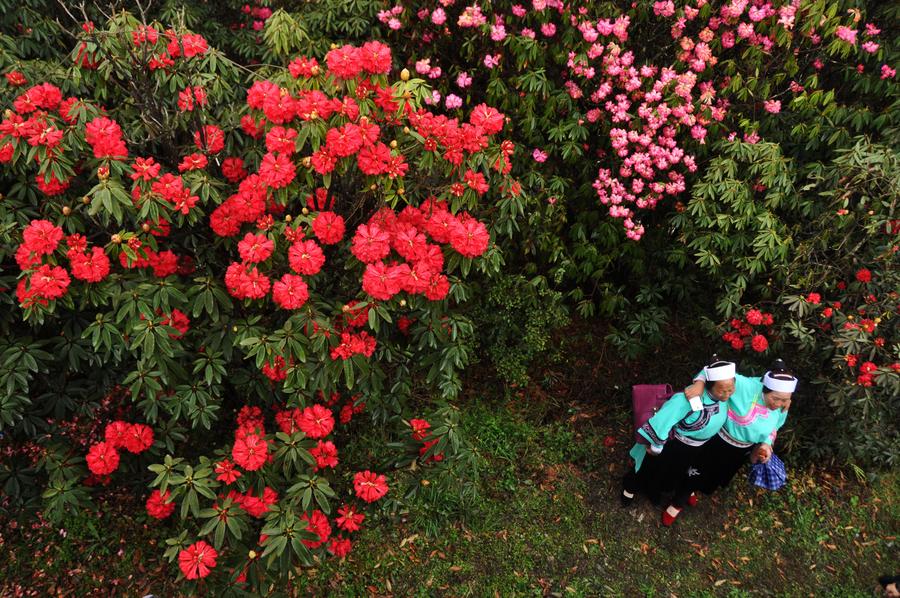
(694, 390)
(762, 453)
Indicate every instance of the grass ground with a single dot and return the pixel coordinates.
(545, 520)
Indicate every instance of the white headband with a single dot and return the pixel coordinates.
(779, 385)
(722, 372)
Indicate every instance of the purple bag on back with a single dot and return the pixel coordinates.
(646, 399)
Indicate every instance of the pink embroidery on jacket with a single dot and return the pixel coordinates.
(745, 420)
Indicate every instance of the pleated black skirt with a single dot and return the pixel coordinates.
(719, 461)
(672, 471)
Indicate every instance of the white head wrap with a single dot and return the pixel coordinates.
(779, 385)
(720, 372)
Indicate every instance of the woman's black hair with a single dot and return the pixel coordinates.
(714, 362)
(779, 370)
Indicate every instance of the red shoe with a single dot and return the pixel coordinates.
(669, 515)
(692, 500)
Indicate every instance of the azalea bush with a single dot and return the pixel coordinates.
(830, 304)
(259, 264)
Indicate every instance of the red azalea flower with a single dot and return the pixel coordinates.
(92, 267)
(340, 547)
(138, 438)
(158, 505)
(754, 317)
(369, 486)
(370, 243)
(328, 228)
(197, 560)
(49, 282)
(250, 452)
(277, 170)
(255, 248)
(864, 275)
(42, 237)
(193, 162)
(381, 281)
(116, 434)
(349, 520)
(225, 471)
(102, 458)
(470, 238)
(420, 428)
(759, 343)
(306, 257)
(233, 169)
(210, 139)
(375, 58)
(325, 454)
(489, 119)
(316, 421)
(317, 522)
(291, 292)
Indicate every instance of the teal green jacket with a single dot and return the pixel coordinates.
(691, 427)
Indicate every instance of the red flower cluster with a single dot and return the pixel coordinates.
(420, 433)
(251, 449)
(360, 343)
(48, 282)
(103, 457)
(105, 137)
(160, 506)
(742, 330)
(189, 97)
(317, 522)
(349, 62)
(255, 506)
(197, 560)
(369, 486)
(406, 234)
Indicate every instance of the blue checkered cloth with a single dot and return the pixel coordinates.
(770, 475)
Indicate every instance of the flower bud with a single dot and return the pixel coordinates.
(145, 227)
(86, 200)
(288, 218)
(251, 555)
(307, 162)
(406, 130)
(103, 173)
(234, 329)
(403, 303)
(404, 75)
(116, 239)
(304, 211)
(393, 144)
(66, 210)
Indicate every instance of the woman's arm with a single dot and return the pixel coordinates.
(656, 429)
(695, 389)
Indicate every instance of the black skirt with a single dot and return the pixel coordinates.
(672, 471)
(719, 461)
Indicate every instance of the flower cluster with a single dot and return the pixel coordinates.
(420, 433)
(103, 457)
(746, 331)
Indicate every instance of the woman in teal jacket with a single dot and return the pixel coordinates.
(756, 411)
(674, 437)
